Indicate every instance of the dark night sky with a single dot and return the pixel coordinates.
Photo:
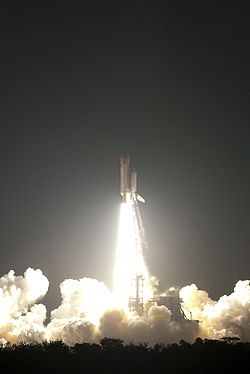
(164, 81)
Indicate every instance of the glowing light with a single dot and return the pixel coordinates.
(83, 298)
(129, 257)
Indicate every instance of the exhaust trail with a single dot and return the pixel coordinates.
(132, 282)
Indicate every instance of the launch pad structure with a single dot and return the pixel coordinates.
(171, 300)
(136, 303)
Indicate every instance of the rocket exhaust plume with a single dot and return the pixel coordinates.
(89, 311)
(132, 283)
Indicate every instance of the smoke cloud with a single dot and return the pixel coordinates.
(229, 316)
(21, 319)
(87, 314)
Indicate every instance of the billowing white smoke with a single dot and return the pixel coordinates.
(20, 318)
(230, 316)
(87, 313)
(83, 303)
(154, 327)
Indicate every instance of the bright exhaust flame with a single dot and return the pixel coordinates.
(129, 257)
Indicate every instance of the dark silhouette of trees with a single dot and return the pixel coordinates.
(227, 355)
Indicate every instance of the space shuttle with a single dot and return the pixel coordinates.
(128, 181)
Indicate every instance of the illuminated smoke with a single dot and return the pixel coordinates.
(20, 318)
(89, 311)
(155, 326)
(3, 342)
(229, 316)
(83, 303)
(79, 320)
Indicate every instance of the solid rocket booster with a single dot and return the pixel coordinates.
(124, 177)
(133, 184)
(128, 181)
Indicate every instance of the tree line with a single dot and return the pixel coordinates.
(113, 356)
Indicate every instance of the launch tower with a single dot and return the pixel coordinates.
(136, 303)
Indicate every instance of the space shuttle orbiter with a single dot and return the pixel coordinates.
(128, 181)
